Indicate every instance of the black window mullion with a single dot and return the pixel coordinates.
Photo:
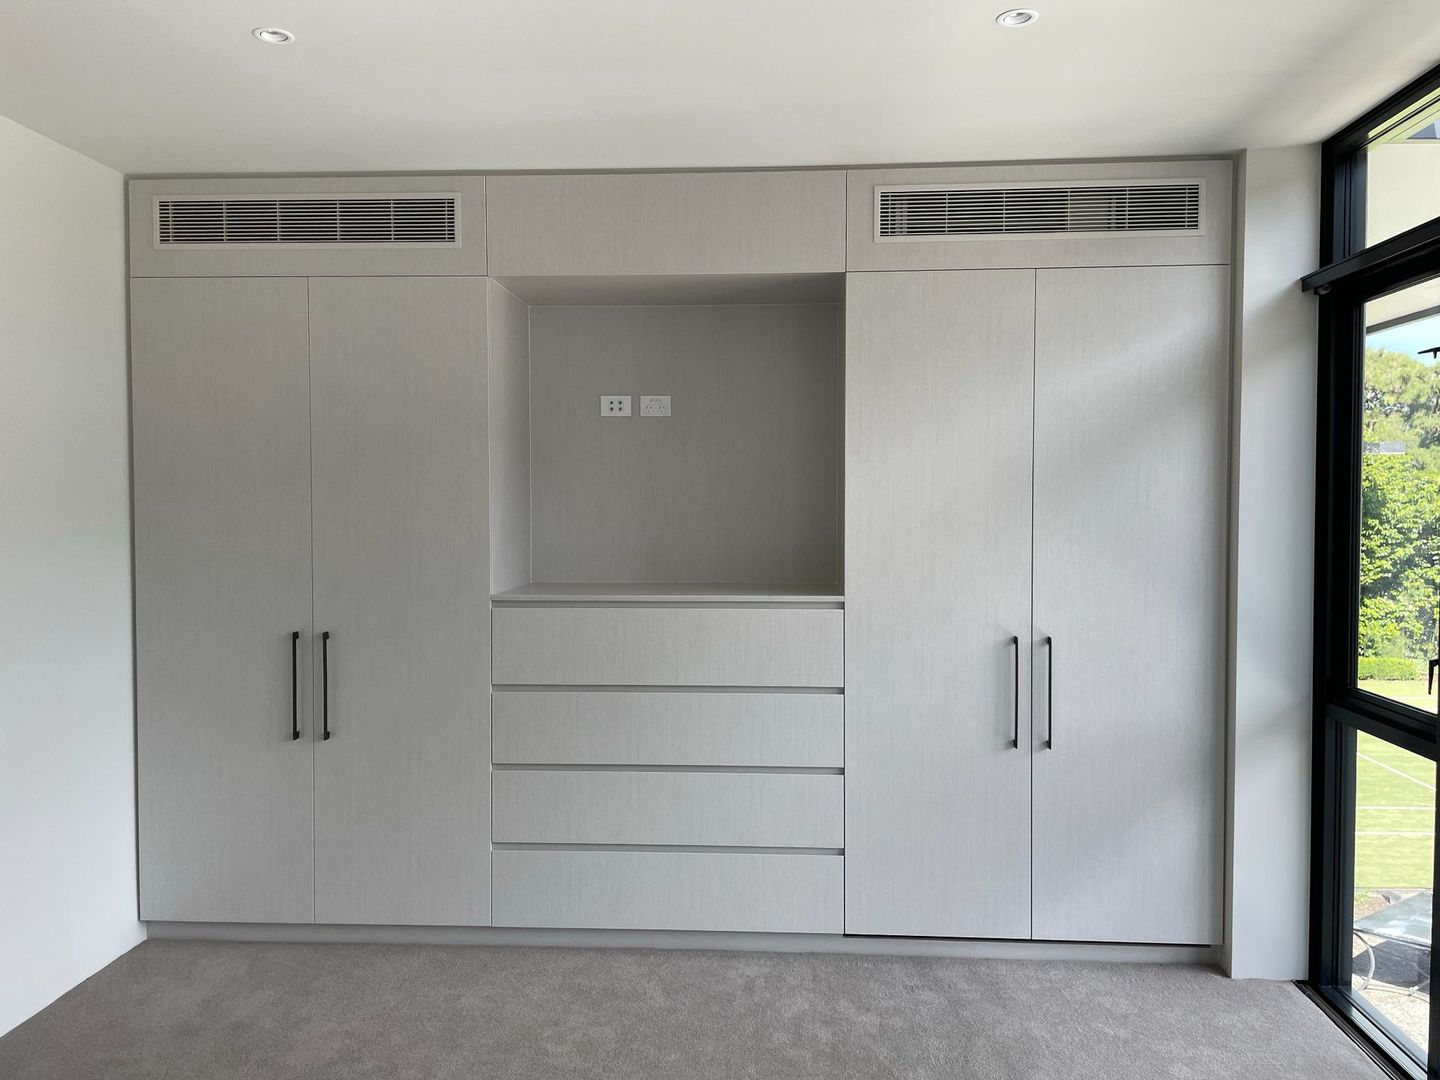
(1392, 263)
(1339, 454)
(1433, 1059)
(1342, 228)
(1432, 1062)
(1351, 274)
(1338, 494)
(1331, 909)
(1364, 130)
(1403, 731)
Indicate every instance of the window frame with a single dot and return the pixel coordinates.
(1350, 275)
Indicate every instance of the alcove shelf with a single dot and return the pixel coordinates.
(688, 593)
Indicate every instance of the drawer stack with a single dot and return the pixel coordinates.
(668, 766)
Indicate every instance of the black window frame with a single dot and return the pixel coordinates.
(1349, 276)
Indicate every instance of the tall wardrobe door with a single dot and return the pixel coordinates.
(937, 553)
(402, 792)
(1131, 403)
(222, 598)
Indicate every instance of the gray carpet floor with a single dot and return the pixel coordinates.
(204, 1011)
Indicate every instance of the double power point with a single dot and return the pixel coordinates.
(650, 405)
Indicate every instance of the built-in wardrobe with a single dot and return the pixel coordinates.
(891, 601)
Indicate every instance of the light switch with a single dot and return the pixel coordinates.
(615, 405)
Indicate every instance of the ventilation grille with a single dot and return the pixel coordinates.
(1166, 208)
(303, 220)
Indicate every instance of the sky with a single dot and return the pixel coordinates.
(1408, 337)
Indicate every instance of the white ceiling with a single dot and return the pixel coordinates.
(153, 86)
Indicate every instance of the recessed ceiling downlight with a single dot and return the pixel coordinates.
(272, 35)
(1017, 17)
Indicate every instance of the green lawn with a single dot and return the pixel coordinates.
(1395, 812)
(1408, 691)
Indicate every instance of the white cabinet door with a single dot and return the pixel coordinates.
(402, 793)
(222, 584)
(1131, 405)
(938, 398)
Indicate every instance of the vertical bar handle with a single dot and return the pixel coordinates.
(294, 685)
(1049, 693)
(1015, 729)
(325, 683)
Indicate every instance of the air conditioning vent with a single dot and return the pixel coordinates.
(979, 211)
(421, 220)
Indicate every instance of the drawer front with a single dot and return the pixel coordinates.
(661, 646)
(690, 809)
(628, 890)
(585, 727)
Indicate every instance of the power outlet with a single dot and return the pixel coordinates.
(615, 405)
(654, 404)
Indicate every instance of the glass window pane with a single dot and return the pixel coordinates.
(1402, 177)
(1400, 498)
(1394, 870)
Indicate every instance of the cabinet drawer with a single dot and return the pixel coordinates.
(585, 727)
(691, 809)
(661, 646)
(655, 890)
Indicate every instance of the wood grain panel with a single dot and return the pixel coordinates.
(608, 290)
(937, 540)
(699, 809)
(627, 890)
(669, 646)
(401, 551)
(508, 372)
(1131, 419)
(221, 442)
(668, 223)
(657, 728)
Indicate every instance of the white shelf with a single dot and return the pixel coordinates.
(686, 593)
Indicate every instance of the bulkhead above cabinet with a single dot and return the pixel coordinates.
(668, 223)
(563, 231)
(325, 226)
(1146, 213)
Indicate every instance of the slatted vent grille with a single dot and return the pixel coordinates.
(305, 220)
(924, 213)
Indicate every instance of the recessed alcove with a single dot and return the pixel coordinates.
(736, 493)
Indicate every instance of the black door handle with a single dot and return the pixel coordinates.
(294, 685)
(1015, 730)
(325, 683)
(1049, 693)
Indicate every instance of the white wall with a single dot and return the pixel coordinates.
(1273, 566)
(67, 795)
